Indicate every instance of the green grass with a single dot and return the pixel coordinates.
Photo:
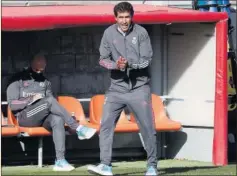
(166, 167)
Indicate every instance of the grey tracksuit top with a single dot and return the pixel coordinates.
(23, 86)
(136, 47)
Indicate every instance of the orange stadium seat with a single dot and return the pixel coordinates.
(71, 104)
(96, 110)
(27, 131)
(162, 122)
(9, 130)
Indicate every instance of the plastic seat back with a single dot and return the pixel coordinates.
(72, 105)
(157, 107)
(96, 110)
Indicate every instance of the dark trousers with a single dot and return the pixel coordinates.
(139, 102)
(48, 113)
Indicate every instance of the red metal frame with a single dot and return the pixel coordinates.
(220, 143)
(50, 17)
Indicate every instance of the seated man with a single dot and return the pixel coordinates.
(30, 98)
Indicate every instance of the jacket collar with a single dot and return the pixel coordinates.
(130, 29)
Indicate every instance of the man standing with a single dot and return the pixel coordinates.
(29, 96)
(126, 51)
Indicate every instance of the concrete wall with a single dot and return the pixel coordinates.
(72, 59)
(191, 83)
(185, 47)
(192, 143)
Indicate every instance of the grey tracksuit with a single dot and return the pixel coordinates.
(45, 112)
(135, 46)
(129, 87)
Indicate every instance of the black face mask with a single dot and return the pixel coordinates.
(37, 76)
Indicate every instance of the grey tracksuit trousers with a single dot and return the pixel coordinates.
(139, 102)
(48, 113)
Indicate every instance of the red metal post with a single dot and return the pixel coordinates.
(220, 142)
